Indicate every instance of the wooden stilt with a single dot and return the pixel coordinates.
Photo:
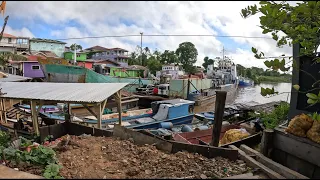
(1, 108)
(99, 117)
(34, 116)
(266, 142)
(4, 110)
(218, 116)
(119, 107)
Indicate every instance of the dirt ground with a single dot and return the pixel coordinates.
(106, 157)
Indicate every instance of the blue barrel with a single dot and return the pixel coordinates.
(201, 128)
(166, 125)
(186, 128)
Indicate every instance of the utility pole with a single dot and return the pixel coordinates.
(223, 53)
(75, 53)
(141, 48)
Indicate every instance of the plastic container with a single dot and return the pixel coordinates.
(166, 125)
(186, 128)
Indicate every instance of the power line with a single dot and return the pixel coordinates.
(166, 35)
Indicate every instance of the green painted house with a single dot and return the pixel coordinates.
(126, 72)
(81, 56)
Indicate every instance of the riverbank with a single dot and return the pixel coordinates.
(274, 79)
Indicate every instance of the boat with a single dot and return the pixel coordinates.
(44, 108)
(114, 117)
(223, 77)
(245, 82)
(204, 137)
(164, 113)
(228, 113)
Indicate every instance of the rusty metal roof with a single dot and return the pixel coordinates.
(63, 92)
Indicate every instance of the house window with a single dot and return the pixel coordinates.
(78, 55)
(9, 40)
(35, 67)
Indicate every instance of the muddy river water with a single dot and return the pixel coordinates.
(252, 94)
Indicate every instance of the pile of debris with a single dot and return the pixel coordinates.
(108, 157)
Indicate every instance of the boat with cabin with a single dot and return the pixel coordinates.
(164, 113)
(245, 81)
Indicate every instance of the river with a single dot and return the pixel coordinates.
(252, 94)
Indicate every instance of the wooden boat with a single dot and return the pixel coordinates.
(44, 108)
(228, 112)
(164, 113)
(204, 137)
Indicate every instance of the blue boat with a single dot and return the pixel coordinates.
(245, 82)
(164, 113)
(228, 112)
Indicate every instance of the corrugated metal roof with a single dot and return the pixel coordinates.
(66, 92)
(13, 78)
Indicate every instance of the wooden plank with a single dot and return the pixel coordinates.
(302, 149)
(282, 170)
(300, 165)
(9, 173)
(253, 163)
(34, 116)
(218, 117)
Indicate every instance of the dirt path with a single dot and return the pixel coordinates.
(101, 157)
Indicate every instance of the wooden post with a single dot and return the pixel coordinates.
(11, 103)
(188, 88)
(99, 116)
(4, 110)
(34, 116)
(1, 108)
(218, 116)
(119, 107)
(266, 142)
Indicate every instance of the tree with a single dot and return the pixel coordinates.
(76, 46)
(187, 56)
(6, 56)
(168, 57)
(153, 65)
(133, 59)
(207, 62)
(300, 25)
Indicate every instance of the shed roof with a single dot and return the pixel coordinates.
(13, 78)
(63, 92)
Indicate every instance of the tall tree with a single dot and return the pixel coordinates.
(207, 62)
(187, 55)
(169, 57)
(153, 65)
(76, 46)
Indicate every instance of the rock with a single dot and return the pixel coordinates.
(16, 169)
(131, 140)
(103, 148)
(87, 157)
(148, 171)
(240, 161)
(132, 172)
(104, 177)
(202, 176)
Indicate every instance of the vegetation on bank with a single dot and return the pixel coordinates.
(275, 118)
(259, 75)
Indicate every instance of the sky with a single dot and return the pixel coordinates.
(70, 19)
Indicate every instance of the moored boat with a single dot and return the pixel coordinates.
(164, 113)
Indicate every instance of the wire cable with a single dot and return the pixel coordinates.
(165, 35)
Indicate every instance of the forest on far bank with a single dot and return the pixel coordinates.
(259, 75)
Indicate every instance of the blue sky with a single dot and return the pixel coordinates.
(60, 20)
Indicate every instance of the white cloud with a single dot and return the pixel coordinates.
(153, 17)
(24, 32)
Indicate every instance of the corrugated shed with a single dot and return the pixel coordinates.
(65, 92)
(13, 78)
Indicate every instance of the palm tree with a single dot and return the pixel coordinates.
(76, 46)
(6, 56)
